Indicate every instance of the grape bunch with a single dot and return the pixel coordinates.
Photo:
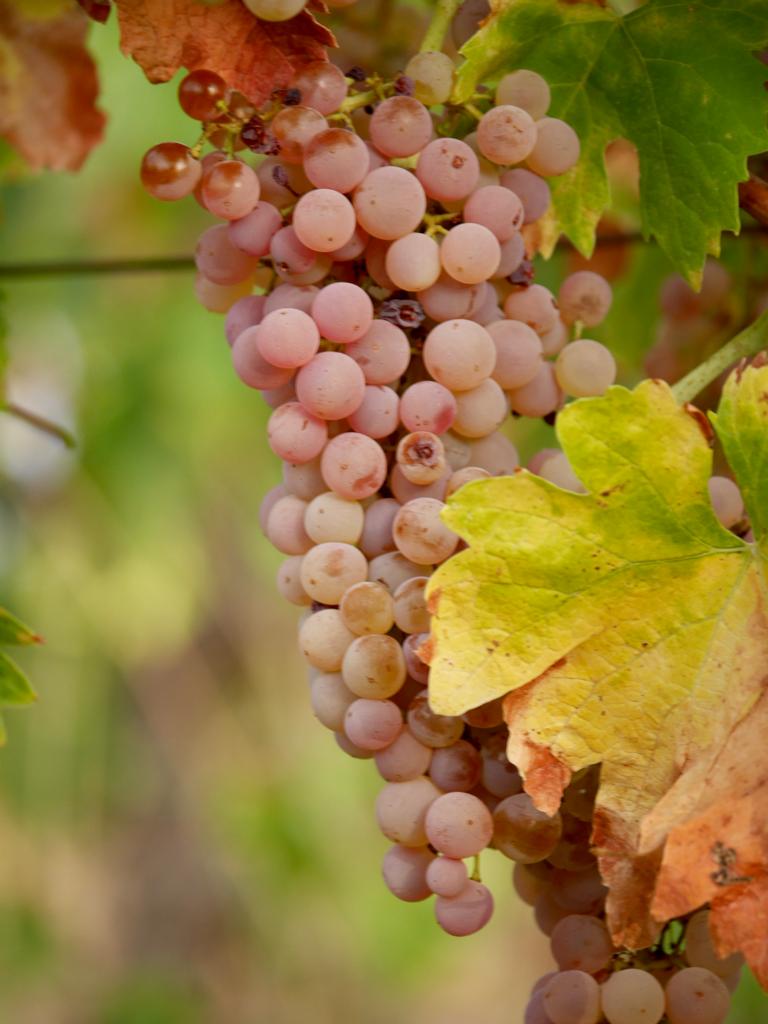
(372, 266)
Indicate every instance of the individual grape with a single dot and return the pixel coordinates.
(373, 724)
(390, 203)
(267, 503)
(404, 870)
(466, 913)
(420, 533)
(293, 128)
(274, 10)
(467, 19)
(459, 354)
(584, 297)
(383, 353)
(246, 312)
(404, 491)
(421, 458)
(346, 744)
(275, 397)
(499, 775)
(374, 666)
(448, 169)
(470, 253)
(322, 86)
(288, 338)
(488, 311)
(447, 876)
(291, 296)
(354, 248)
(579, 797)
(486, 716)
(632, 996)
(219, 260)
(219, 298)
(524, 89)
(413, 262)
(392, 569)
(285, 526)
(253, 233)
(330, 569)
(428, 406)
(581, 943)
(377, 414)
(446, 299)
(527, 885)
(169, 171)
(330, 699)
(376, 538)
(296, 435)
(547, 912)
(288, 253)
(456, 768)
(336, 159)
(512, 255)
(579, 892)
(518, 353)
(480, 410)
(696, 996)
(432, 730)
(524, 833)
(585, 368)
(375, 263)
(251, 367)
(495, 453)
(353, 465)
(330, 385)
(401, 810)
(400, 126)
(281, 183)
(496, 208)
(540, 396)
(700, 950)
(506, 134)
(323, 220)
(557, 148)
(726, 500)
(558, 470)
(289, 582)
(572, 997)
(432, 75)
(367, 608)
(200, 93)
(230, 189)
(553, 340)
(343, 312)
(410, 608)
(417, 670)
(324, 639)
(534, 305)
(532, 191)
(330, 518)
(534, 1011)
(403, 759)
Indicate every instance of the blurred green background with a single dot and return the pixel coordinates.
(180, 841)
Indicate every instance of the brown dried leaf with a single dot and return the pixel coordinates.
(48, 86)
(252, 56)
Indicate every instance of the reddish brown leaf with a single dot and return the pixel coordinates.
(48, 88)
(252, 56)
(716, 821)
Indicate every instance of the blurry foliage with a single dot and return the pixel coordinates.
(182, 842)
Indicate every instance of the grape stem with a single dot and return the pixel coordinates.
(745, 344)
(438, 27)
(39, 422)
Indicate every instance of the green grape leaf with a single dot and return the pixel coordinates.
(626, 625)
(13, 632)
(15, 688)
(679, 80)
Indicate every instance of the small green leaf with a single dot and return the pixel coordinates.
(15, 688)
(13, 632)
(679, 80)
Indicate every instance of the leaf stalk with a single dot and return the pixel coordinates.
(745, 344)
(438, 27)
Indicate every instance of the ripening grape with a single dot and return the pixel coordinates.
(288, 338)
(556, 149)
(499, 775)
(518, 353)
(726, 500)
(251, 367)
(323, 220)
(403, 490)
(368, 608)
(373, 666)
(274, 10)
(466, 913)
(558, 470)
(534, 1011)
(421, 458)
(324, 639)
(400, 126)
(289, 582)
(413, 262)
(377, 414)
(383, 353)
(330, 386)
(246, 312)
(169, 171)
(534, 305)
(700, 950)
(581, 943)
(506, 135)
(418, 671)
(459, 354)
(376, 538)
(480, 410)
(584, 297)
(322, 86)
(470, 253)
(405, 869)
(200, 93)
(401, 810)
(696, 996)
(410, 608)
(389, 203)
(496, 208)
(540, 396)
(456, 768)
(446, 876)
(572, 997)
(430, 729)
(336, 159)
(512, 255)
(420, 533)
(446, 299)
(343, 312)
(524, 833)
(524, 89)
(532, 191)
(585, 368)
(221, 261)
(351, 749)
(404, 759)
(373, 724)
(330, 699)
(294, 434)
(392, 569)
(429, 406)
(330, 569)
(254, 232)
(432, 75)
(632, 997)
(230, 189)
(448, 170)
(293, 128)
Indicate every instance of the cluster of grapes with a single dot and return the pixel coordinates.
(396, 327)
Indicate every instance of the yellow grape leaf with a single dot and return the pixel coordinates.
(631, 626)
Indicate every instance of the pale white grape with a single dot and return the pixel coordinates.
(329, 517)
(377, 414)
(572, 997)
(459, 354)
(496, 208)
(532, 190)
(353, 465)
(343, 312)
(466, 913)
(376, 538)
(373, 724)
(390, 203)
(421, 457)
(392, 569)
(373, 666)
(410, 607)
(585, 368)
(632, 997)
(470, 253)
(294, 434)
(336, 159)
(556, 149)
(585, 297)
(324, 639)
(383, 353)
(539, 396)
(524, 89)
(518, 353)
(421, 535)
(285, 526)
(413, 262)
(581, 943)
(448, 169)
(506, 134)
(726, 500)
(330, 699)
(480, 410)
(323, 220)
(368, 607)
(464, 476)
(329, 569)
(432, 75)
(401, 810)
(447, 876)
(404, 871)
(696, 996)
(404, 759)
(534, 305)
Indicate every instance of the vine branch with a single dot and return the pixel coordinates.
(753, 197)
(745, 344)
(39, 422)
(438, 27)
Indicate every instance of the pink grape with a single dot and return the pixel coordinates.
(377, 414)
(497, 209)
(330, 385)
(413, 262)
(323, 220)
(480, 410)
(572, 997)
(293, 127)
(270, 498)
(373, 724)
(524, 89)
(534, 305)
(288, 338)
(506, 134)
(230, 189)
(336, 159)
(446, 876)
(427, 405)
(586, 297)
(400, 126)
(353, 248)
(376, 538)
(401, 808)
(404, 759)
(390, 203)
(459, 825)
(448, 169)
(219, 260)
(383, 353)
(322, 86)
(376, 263)
(343, 312)
(251, 367)
(512, 255)
(289, 254)
(291, 296)
(254, 232)
(518, 353)
(556, 150)
(581, 943)
(169, 171)
(404, 871)
(405, 490)
(459, 354)
(421, 535)
(285, 527)
(466, 913)
(446, 299)
(532, 191)
(494, 453)
(246, 312)
(354, 466)
(295, 434)
(540, 396)
(470, 253)
(456, 768)
(272, 172)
